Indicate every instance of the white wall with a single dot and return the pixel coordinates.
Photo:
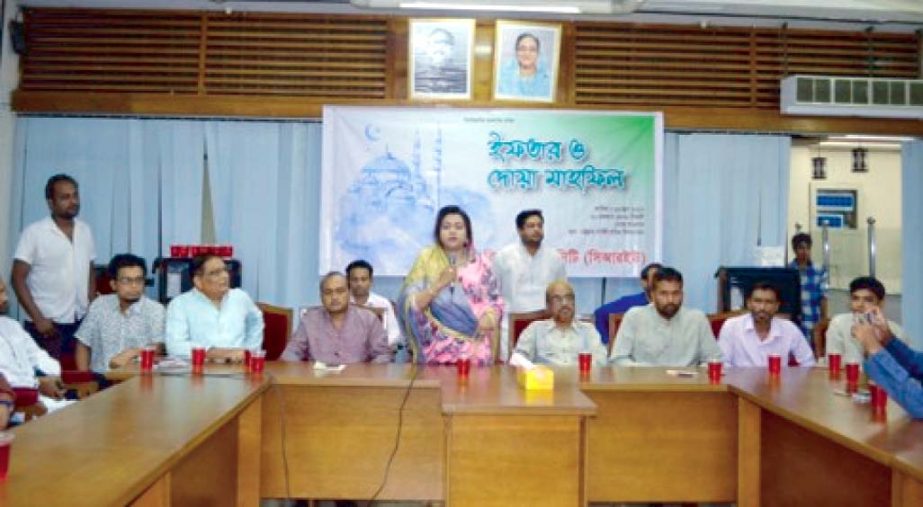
(879, 195)
(9, 77)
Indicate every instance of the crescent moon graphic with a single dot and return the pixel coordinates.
(372, 133)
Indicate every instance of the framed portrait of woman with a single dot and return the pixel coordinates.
(526, 61)
(441, 55)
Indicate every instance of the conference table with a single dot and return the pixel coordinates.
(398, 432)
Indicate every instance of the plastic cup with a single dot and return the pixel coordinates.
(834, 363)
(714, 371)
(198, 359)
(257, 361)
(775, 364)
(147, 359)
(464, 367)
(879, 397)
(585, 360)
(6, 441)
(852, 373)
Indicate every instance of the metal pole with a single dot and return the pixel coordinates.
(872, 246)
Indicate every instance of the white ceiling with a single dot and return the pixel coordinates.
(884, 15)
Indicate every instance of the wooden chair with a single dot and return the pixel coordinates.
(277, 321)
(820, 338)
(615, 320)
(518, 323)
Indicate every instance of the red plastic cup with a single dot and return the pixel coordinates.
(6, 441)
(775, 364)
(852, 373)
(257, 361)
(147, 359)
(834, 363)
(714, 371)
(585, 360)
(198, 358)
(464, 367)
(879, 397)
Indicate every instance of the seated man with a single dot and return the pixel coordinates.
(212, 315)
(338, 332)
(749, 339)
(664, 333)
(891, 363)
(560, 339)
(866, 295)
(119, 325)
(20, 357)
(625, 303)
(359, 273)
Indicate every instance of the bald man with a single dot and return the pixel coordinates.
(558, 340)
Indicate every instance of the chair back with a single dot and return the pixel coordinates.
(518, 323)
(615, 320)
(820, 338)
(277, 328)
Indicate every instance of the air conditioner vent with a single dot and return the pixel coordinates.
(852, 96)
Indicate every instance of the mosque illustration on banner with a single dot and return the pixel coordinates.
(387, 212)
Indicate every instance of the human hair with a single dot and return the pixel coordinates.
(198, 263)
(646, 270)
(359, 263)
(524, 35)
(802, 238)
(328, 276)
(452, 210)
(761, 285)
(870, 283)
(450, 39)
(667, 274)
(57, 178)
(560, 282)
(125, 260)
(525, 215)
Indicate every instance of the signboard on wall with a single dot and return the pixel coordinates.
(836, 208)
(387, 171)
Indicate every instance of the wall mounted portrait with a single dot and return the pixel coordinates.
(526, 61)
(441, 55)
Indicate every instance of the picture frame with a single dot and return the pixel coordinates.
(526, 61)
(441, 58)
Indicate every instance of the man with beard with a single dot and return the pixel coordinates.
(749, 339)
(53, 269)
(561, 338)
(665, 333)
(525, 269)
(119, 325)
(338, 332)
(625, 303)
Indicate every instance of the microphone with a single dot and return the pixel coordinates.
(452, 261)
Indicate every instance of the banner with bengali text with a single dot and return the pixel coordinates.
(595, 175)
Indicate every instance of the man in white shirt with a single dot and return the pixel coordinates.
(749, 339)
(525, 269)
(53, 269)
(359, 274)
(866, 296)
(20, 357)
(664, 333)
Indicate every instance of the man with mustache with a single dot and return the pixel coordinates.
(664, 333)
(53, 269)
(749, 339)
(560, 339)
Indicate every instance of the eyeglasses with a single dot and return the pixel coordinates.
(124, 280)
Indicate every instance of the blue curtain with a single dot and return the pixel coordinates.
(724, 195)
(912, 240)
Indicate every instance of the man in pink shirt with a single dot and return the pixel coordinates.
(749, 339)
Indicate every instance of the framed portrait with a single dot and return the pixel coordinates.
(441, 55)
(526, 61)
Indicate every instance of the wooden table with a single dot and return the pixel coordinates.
(151, 441)
(619, 435)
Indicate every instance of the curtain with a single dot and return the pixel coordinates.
(724, 195)
(912, 234)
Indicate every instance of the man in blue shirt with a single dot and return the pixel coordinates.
(813, 285)
(225, 321)
(891, 363)
(624, 303)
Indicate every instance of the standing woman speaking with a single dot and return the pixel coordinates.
(450, 303)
